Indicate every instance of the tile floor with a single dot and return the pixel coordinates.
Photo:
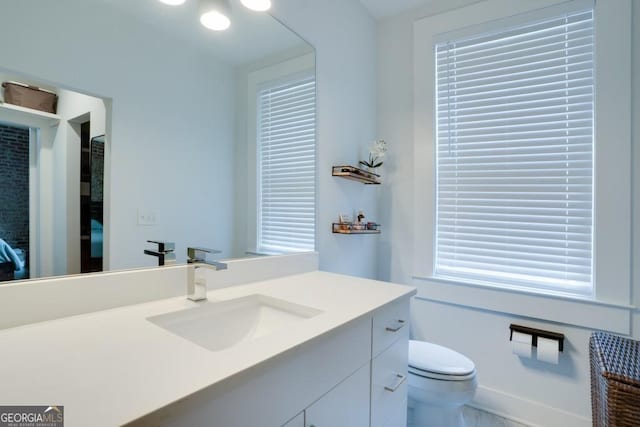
(477, 418)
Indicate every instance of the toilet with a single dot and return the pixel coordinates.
(441, 381)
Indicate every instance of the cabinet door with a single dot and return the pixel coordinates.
(347, 405)
(389, 386)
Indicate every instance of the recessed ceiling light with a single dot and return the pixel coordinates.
(173, 2)
(214, 14)
(259, 5)
(215, 20)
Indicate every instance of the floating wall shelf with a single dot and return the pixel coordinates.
(54, 119)
(356, 174)
(348, 228)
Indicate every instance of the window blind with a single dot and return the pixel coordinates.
(515, 156)
(287, 145)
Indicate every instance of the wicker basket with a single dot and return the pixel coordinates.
(615, 380)
(30, 97)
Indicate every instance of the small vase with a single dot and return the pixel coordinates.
(373, 171)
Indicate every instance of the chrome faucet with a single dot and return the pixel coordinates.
(196, 279)
(164, 253)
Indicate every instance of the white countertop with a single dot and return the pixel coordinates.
(114, 366)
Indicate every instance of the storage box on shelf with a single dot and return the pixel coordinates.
(31, 97)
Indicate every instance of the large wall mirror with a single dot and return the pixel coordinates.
(157, 135)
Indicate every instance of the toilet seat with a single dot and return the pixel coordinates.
(441, 377)
(436, 362)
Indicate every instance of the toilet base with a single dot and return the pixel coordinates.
(437, 416)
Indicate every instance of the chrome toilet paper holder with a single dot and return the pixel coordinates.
(535, 333)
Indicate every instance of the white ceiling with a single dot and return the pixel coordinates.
(381, 9)
(384, 8)
(251, 37)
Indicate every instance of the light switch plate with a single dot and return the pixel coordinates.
(147, 217)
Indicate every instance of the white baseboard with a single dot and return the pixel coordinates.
(525, 411)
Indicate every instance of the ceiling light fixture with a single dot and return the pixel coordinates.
(214, 14)
(173, 2)
(258, 5)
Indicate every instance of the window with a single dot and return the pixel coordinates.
(286, 162)
(514, 142)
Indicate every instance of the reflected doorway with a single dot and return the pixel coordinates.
(91, 200)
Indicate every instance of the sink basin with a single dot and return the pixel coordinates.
(219, 325)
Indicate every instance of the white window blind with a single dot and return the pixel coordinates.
(515, 156)
(286, 153)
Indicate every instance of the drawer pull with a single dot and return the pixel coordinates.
(399, 380)
(399, 325)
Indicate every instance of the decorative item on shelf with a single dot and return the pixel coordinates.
(361, 226)
(344, 222)
(351, 228)
(356, 174)
(376, 153)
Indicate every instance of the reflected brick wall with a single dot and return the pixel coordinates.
(14, 186)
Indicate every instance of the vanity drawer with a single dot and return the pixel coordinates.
(390, 323)
(389, 384)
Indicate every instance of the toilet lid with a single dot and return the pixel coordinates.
(428, 357)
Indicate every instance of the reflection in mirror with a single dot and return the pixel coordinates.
(14, 199)
(157, 136)
(45, 179)
(92, 205)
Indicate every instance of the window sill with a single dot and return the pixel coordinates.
(579, 311)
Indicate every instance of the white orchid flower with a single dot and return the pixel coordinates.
(376, 153)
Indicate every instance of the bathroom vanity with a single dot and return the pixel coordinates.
(333, 367)
(305, 349)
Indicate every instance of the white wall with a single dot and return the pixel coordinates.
(171, 136)
(344, 36)
(537, 393)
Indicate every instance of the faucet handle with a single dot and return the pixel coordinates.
(199, 254)
(163, 246)
(164, 253)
